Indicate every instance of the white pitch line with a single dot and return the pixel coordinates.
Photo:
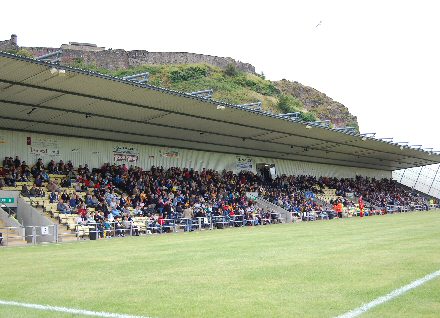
(68, 310)
(395, 293)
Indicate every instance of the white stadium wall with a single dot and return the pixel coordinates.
(31, 146)
(425, 179)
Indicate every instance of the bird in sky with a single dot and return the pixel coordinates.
(320, 22)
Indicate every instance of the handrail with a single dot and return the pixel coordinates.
(6, 235)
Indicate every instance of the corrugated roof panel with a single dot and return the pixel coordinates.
(179, 120)
(212, 126)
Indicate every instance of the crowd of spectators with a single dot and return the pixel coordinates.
(377, 192)
(165, 195)
(118, 192)
(296, 194)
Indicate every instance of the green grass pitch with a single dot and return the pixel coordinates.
(315, 269)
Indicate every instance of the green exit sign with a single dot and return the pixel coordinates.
(6, 200)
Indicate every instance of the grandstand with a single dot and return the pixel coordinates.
(60, 113)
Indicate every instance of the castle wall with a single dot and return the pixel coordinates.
(121, 59)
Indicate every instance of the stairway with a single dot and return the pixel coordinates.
(327, 195)
(64, 234)
(11, 236)
(286, 216)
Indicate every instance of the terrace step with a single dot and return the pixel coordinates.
(64, 234)
(11, 237)
(16, 242)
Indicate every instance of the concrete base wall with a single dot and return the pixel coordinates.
(30, 217)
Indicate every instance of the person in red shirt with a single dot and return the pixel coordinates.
(339, 209)
(82, 211)
(361, 207)
(160, 220)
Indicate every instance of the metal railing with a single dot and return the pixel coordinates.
(40, 234)
(11, 233)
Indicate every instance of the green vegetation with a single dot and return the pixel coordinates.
(230, 85)
(290, 104)
(314, 269)
(22, 52)
(318, 104)
(231, 70)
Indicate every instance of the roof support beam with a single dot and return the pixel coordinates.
(188, 115)
(89, 114)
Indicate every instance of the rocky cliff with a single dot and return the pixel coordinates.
(319, 103)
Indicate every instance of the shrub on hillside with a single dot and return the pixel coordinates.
(231, 70)
(188, 73)
(289, 104)
(307, 116)
(256, 84)
(22, 52)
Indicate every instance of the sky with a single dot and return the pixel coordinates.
(381, 59)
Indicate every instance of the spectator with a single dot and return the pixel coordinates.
(62, 207)
(53, 197)
(188, 214)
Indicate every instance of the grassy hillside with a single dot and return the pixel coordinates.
(229, 85)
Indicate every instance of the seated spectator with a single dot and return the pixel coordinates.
(65, 196)
(119, 228)
(10, 179)
(39, 165)
(66, 183)
(73, 202)
(82, 211)
(33, 191)
(44, 176)
(51, 167)
(17, 162)
(115, 212)
(63, 208)
(53, 197)
(8, 163)
(25, 168)
(52, 186)
(25, 190)
(38, 181)
(78, 187)
(23, 178)
(69, 165)
(107, 228)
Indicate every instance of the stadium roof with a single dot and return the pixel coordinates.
(41, 97)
